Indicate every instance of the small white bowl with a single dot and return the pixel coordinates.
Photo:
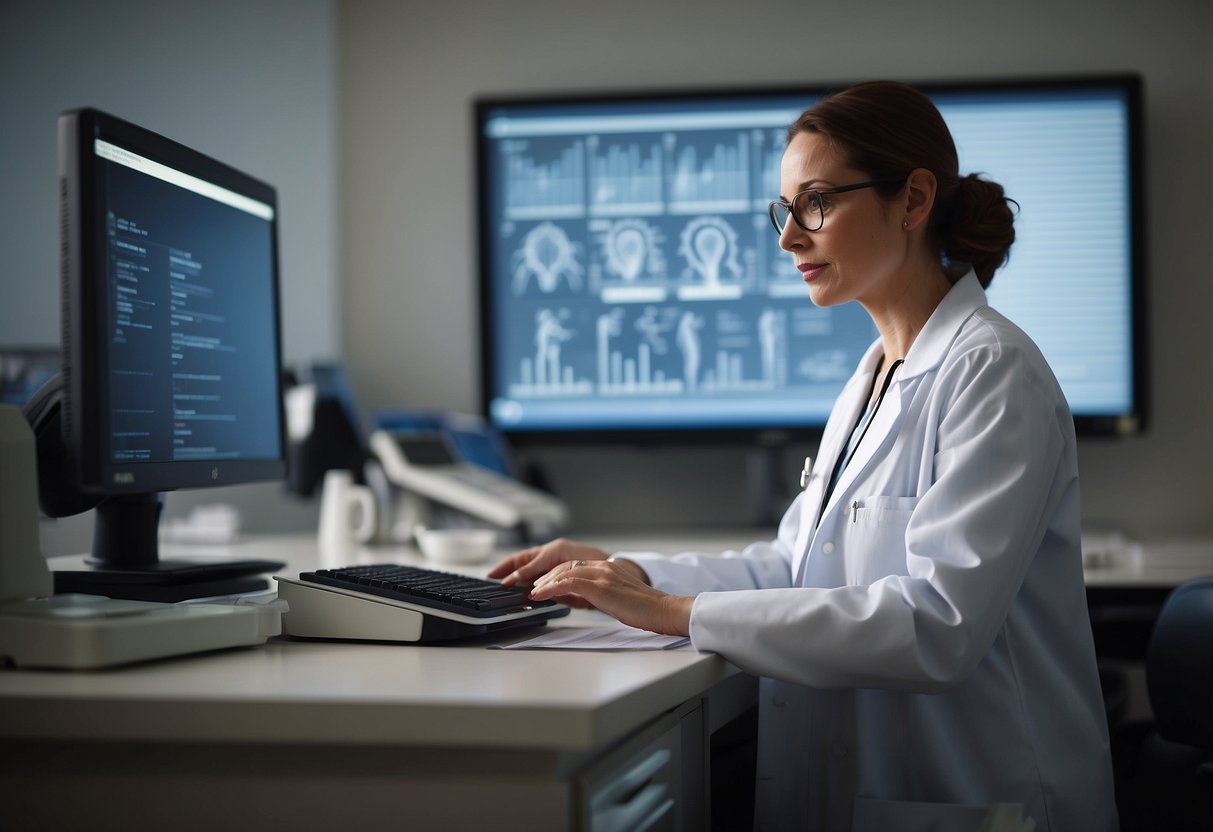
(456, 545)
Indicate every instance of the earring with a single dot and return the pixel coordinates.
(905, 224)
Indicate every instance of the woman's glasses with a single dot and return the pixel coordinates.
(808, 208)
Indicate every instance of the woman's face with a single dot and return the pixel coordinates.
(861, 243)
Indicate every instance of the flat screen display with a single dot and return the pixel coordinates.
(170, 370)
(171, 327)
(189, 274)
(631, 282)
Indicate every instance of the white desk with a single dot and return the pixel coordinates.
(306, 735)
(1158, 564)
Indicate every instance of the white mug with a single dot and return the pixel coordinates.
(347, 511)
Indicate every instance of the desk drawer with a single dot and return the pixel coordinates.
(655, 782)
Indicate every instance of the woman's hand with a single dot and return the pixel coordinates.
(581, 576)
(621, 590)
(527, 566)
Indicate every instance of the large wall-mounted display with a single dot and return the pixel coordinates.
(632, 285)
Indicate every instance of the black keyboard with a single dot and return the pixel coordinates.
(475, 597)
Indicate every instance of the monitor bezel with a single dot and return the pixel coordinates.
(1132, 422)
(82, 341)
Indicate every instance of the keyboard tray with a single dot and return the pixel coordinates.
(359, 603)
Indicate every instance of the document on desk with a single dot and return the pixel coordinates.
(597, 638)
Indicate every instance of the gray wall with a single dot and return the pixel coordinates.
(252, 84)
(410, 72)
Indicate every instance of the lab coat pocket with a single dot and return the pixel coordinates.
(874, 537)
(872, 815)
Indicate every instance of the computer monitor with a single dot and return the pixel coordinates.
(631, 285)
(170, 351)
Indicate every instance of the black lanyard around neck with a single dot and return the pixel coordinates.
(866, 417)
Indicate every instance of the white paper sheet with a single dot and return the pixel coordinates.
(597, 638)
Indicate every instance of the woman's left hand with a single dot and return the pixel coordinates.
(614, 588)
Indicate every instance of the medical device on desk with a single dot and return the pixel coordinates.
(80, 631)
(423, 463)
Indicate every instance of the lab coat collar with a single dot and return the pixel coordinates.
(927, 352)
(964, 298)
(958, 305)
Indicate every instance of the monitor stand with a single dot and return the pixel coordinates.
(126, 561)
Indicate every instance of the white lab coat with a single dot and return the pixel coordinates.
(925, 648)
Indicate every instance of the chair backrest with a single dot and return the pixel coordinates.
(1179, 665)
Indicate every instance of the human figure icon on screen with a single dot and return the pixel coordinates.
(549, 335)
(687, 338)
(770, 338)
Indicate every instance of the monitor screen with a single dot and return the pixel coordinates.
(631, 284)
(170, 331)
(173, 318)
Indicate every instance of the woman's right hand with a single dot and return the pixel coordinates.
(530, 564)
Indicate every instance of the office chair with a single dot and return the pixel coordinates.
(1169, 784)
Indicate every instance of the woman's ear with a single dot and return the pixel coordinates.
(920, 191)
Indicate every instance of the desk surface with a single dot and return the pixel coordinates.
(293, 690)
(1159, 564)
(330, 692)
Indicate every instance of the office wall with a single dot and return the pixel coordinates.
(252, 84)
(411, 70)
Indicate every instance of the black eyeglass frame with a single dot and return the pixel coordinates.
(790, 207)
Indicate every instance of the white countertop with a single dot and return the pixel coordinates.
(367, 693)
(391, 694)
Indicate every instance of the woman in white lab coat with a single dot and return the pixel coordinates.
(920, 622)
